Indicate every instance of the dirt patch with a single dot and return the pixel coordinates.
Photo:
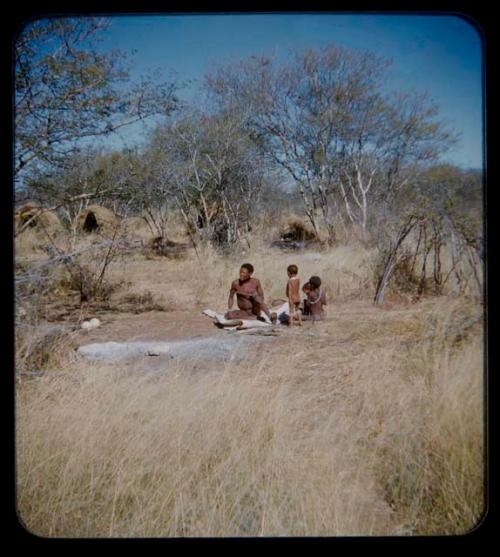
(155, 341)
(352, 329)
(150, 326)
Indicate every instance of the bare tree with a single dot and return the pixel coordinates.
(323, 117)
(208, 167)
(88, 177)
(438, 215)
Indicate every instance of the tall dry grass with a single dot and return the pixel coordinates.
(205, 280)
(455, 378)
(233, 454)
(348, 273)
(431, 452)
(389, 443)
(348, 270)
(372, 428)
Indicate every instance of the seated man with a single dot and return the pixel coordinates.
(249, 296)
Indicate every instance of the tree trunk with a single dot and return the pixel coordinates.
(390, 264)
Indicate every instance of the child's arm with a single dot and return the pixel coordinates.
(232, 292)
(258, 289)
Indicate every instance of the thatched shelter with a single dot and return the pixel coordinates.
(95, 218)
(296, 231)
(35, 217)
(295, 236)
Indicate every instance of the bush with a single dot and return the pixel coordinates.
(42, 348)
(138, 303)
(89, 283)
(168, 248)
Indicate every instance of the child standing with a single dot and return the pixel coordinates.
(293, 294)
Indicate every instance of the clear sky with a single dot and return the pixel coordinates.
(441, 55)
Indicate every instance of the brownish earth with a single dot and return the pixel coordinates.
(353, 322)
(151, 325)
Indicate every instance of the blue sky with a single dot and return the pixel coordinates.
(441, 55)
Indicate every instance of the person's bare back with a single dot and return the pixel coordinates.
(293, 295)
(293, 290)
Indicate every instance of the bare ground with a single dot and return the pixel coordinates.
(350, 331)
(152, 325)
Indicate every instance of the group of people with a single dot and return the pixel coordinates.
(251, 305)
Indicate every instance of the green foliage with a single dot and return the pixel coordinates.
(67, 90)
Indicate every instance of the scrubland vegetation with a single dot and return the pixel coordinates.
(368, 423)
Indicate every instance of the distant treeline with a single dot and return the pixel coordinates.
(316, 134)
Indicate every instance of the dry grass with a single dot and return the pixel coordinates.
(42, 347)
(386, 441)
(370, 424)
(140, 302)
(235, 454)
(431, 451)
(345, 271)
(32, 243)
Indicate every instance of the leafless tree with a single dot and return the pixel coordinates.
(210, 170)
(88, 177)
(325, 119)
(412, 243)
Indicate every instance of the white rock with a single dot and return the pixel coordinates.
(202, 348)
(92, 324)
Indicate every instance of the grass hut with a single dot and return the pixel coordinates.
(95, 218)
(32, 216)
(296, 231)
(295, 236)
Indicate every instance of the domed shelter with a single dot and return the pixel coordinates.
(296, 231)
(95, 218)
(35, 217)
(295, 235)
